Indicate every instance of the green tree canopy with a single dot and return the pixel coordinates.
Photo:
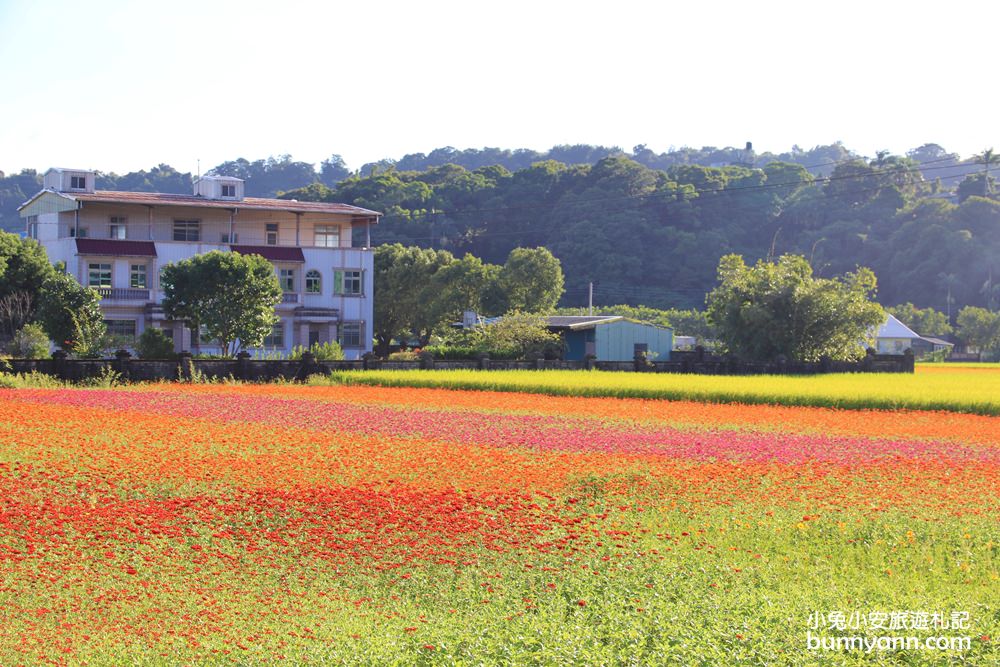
(24, 268)
(980, 328)
(231, 295)
(531, 280)
(780, 308)
(403, 298)
(925, 321)
(71, 313)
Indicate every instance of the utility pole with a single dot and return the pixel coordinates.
(590, 299)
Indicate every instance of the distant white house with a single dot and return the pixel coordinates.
(894, 337)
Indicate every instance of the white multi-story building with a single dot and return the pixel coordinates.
(117, 242)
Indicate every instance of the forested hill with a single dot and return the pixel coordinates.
(649, 231)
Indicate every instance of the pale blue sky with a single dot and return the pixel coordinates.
(121, 85)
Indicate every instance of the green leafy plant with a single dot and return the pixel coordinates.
(29, 342)
(154, 344)
(329, 351)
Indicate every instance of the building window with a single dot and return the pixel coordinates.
(32, 226)
(277, 336)
(348, 283)
(286, 278)
(228, 190)
(205, 337)
(121, 329)
(187, 230)
(350, 334)
(117, 229)
(327, 236)
(137, 276)
(229, 238)
(314, 282)
(272, 233)
(81, 233)
(99, 275)
(78, 182)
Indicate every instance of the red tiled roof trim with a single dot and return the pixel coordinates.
(255, 203)
(272, 253)
(115, 247)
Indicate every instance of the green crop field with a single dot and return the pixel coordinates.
(972, 388)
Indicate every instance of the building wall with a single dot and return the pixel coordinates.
(616, 341)
(893, 345)
(54, 233)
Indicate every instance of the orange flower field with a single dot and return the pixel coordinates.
(181, 524)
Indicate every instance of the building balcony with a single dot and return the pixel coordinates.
(123, 294)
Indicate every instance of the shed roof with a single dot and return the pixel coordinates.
(937, 341)
(893, 328)
(577, 322)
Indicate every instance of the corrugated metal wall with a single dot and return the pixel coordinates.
(616, 341)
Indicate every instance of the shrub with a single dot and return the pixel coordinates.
(404, 355)
(29, 342)
(330, 351)
(519, 336)
(452, 352)
(154, 344)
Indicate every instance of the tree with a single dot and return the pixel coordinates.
(988, 157)
(466, 284)
(779, 308)
(980, 328)
(518, 335)
(29, 342)
(333, 170)
(24, 268)
(925, 321)
(232, 296)
(154, 344)
(71, 314)
(403, 298)
(531, 280)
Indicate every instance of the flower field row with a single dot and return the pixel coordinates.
(966, 388)
(178, 524)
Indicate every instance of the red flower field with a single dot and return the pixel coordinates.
(181, 524)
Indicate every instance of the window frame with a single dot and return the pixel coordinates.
(286, 279)
(186, 226)
(143, 274)
(314, 282)
(101, 272)
(223, 187)
(271, 228)
(116, 223)
(273, 342)
(77, 182)
(342, 334)
(326, 234)
(340, 282)
(128, 337)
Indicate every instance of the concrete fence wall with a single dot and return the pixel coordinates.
(185, 367)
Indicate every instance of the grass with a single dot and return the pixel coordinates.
(970, 388)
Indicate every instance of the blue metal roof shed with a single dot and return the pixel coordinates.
(611, 338)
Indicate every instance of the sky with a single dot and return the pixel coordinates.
(122, 85)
